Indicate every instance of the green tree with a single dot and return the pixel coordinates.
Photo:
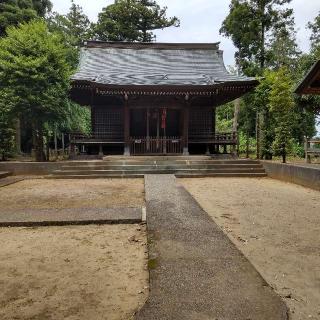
(35, 74)
(283, 49)
(74, 26)
(314, 26)
(261, 101)
(13, 12)
(249, 24)
(281, 106)
(6, 128)
(308, 105)
(42, 7)
(132, 20)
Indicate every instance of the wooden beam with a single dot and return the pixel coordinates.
(186, 126)
(126, 126)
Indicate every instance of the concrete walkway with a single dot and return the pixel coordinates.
(195, 270)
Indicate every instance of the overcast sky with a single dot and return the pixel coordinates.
(201, 20)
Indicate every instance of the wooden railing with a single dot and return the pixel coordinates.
(229, 138)
(96, 137)
(154, 145)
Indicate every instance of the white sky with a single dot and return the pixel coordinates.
(202, 19)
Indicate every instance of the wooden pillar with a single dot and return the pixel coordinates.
(126, 126)
(93, 120)
(214, 129)
(93, 117)
(101, 150)
(186, 112)
(148, 129)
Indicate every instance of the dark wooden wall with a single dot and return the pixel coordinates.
(108, 114)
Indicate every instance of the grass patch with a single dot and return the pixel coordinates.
(152, 264)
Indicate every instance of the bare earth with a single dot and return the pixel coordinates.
(42, 194)
(277, 226)
(73, 273)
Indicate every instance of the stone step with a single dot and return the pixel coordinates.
(129, 167)
(222, 175)
(156, 158)
(96, 176)
(136, 167)
(180, 175)
(159, 171)
(165, 162)
(4, 174)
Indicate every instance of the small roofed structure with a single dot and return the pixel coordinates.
(311, 83)
(154, 98)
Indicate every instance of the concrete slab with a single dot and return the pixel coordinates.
(196, 272)
(4, 174)
(59, 217)
(302, 174)
(10, 180)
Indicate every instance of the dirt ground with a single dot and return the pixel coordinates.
(277, 226)
(45, 193)
(73, 273)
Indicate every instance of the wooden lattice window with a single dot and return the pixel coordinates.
(201, 122)
(109, 123)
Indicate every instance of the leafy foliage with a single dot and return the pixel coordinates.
(74, 26)
(224, 118)
(249, 25)
(132, 20)
(314, 26)
(42, 7)
(35, 74)
(283, 50)
(13, 12)
(6, 128)
(281, 106)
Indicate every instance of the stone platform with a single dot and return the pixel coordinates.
(62, 217)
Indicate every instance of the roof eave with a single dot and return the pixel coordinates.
(304, 86)
(166, 88)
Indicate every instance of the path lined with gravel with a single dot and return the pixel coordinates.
(277, 226)
(196, 271)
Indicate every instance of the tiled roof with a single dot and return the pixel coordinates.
(311, 82)
(155, 64)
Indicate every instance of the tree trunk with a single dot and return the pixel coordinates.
(236, 115)
(263, 36)
(63, 144)
(18, 136)
(284, 154)
(247, 144)
(37, 133)
(258, 135)
(55, 143)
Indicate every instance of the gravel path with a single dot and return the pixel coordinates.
(196, 271)
(277, 226)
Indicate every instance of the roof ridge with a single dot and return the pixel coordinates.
(154, 45)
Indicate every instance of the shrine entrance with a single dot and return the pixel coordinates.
(156, 131)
